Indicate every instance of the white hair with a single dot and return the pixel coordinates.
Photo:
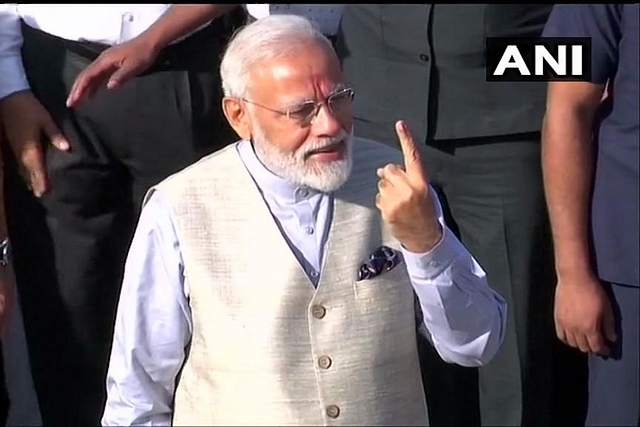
(267, 38)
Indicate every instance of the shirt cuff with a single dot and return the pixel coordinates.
(429, 265)
(13, 77)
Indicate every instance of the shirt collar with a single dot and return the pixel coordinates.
(268, 182)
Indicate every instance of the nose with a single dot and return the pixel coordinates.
(326, 123)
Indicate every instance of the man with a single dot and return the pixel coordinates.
(105, 151)
(263, 287)
(326, 17)
(591, 160)
(480, 144)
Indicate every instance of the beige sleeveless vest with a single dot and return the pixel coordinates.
(267, 347)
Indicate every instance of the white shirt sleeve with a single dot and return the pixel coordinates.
(463, 317)
(153, 325)
(12, 75)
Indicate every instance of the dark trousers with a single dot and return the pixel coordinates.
(4, 401)
(492, 195)
(614, 382)
(70, 246)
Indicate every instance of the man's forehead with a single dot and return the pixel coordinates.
(292, 95)
(298, 63)
(297, 79)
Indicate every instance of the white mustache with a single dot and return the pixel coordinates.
(325, 143)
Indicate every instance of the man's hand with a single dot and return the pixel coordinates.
(583, 314)
(405, 200)
(26, 122)
(114, 66)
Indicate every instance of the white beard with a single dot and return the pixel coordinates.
(292, 166)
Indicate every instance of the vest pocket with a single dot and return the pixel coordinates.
(384, 292)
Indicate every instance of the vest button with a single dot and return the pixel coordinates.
(332, 411)
(424, 57)
(318, 311)
(324, 362)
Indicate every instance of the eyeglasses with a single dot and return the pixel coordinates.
(304, 114)
(382, 260)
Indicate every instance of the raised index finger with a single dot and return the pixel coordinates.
(412, 161)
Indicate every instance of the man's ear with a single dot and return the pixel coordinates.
(236, 113)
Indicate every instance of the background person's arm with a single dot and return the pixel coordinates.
(26, 120)
(582, 311)
(583, 314)
(119, 63)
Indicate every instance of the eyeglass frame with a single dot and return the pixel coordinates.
(307, 121)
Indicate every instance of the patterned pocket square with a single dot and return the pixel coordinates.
(382, 260)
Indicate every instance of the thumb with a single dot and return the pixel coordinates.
(609, 325)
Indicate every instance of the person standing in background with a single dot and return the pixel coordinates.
(480, 144)
(121, 96)
(591, 157)
(326, 17)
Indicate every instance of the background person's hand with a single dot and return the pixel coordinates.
(27, 125)
(405, 201)
(583, 314)
(113, 67)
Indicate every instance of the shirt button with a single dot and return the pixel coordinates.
(332, 411)
(324, 362)
(309, 230)
(424, 57)
(128, 17)
(314, 273)
(318, 311)
(302, 192)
